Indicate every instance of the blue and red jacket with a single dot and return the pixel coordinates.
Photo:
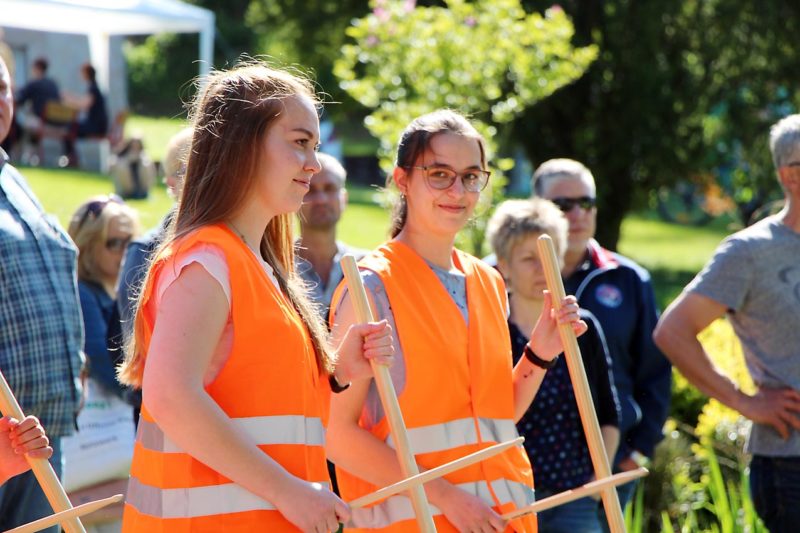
(620, 294)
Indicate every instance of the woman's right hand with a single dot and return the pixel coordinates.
(311, 507)
(468, 513)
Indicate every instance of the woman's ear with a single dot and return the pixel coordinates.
(502, 267)
(400, 177)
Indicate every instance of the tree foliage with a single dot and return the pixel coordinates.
(488, 59)
(679, 89)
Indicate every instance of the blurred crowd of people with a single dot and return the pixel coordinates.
(217, 321)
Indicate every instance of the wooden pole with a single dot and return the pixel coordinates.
(42, 468)
(58, 518)
(583, 396)
(434, 473)
(575, 494)
(388, 395)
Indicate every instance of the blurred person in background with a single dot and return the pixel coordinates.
(318, 251)
(754, 280)
(41, 333)
(101, 228)
(552, 427)
(620, 294)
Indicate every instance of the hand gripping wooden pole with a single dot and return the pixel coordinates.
(583, 396)
(391, 406)
(42, 468)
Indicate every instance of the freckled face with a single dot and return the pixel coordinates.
(433, 211)
(289, 157)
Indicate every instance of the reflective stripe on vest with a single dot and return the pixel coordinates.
(448, 435)
(263, 430)
(194, 502)
(398, 508)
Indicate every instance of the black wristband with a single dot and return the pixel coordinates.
(531, 356)
(335, 387)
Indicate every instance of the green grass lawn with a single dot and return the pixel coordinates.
(155, 132)
(673, 254)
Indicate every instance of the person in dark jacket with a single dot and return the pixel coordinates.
(554, 436)
(94, 114)
(620, 294)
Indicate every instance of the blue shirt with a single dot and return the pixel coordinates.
(40, 318)
(98, 311)
(319, 292)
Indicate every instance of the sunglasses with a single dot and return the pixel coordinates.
(117, 244)
(567, 204)
(96, 207)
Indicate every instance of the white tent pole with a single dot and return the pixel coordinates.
(206, 49)
(99, 52)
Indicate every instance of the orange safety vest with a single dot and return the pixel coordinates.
(458, 395)
(270, 387)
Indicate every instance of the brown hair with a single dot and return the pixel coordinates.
(231, 116)
(416, 138)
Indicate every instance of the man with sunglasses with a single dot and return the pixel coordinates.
(41, 331)
(619, 293)
(754, 280)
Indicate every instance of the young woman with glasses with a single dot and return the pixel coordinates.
(101, 228)
(453, 374)
(232, 360)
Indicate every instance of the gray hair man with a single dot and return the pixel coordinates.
(620, 294)
(754, 280)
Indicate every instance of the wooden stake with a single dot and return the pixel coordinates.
(42, 468)
(58, 518)
(575, 494)
(434, 473)
(388, 395)
(583, 396)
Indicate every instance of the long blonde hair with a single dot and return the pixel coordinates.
(231, 116)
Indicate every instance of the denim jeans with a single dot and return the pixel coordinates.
(775, 488)
(23, 501)
(579, 516)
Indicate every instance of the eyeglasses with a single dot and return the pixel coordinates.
(117, 244)
(96, 207)
(442, 178)
(793, 164)
(567, 204)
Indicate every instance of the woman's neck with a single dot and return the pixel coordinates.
(435, 249)
(525, 312)
(250, 227)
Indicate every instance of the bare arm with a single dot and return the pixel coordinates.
(546, 343)
(676, 335)
(180, 353)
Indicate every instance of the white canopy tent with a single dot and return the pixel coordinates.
(100, 19)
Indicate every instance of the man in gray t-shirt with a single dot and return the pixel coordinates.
(754, 279)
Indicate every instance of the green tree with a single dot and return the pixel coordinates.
(488, 59)
(679, 88)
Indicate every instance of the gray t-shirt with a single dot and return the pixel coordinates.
(756, 274)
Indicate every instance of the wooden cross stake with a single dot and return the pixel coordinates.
(388, 395)
(583, 396)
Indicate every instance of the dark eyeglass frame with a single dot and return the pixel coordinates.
(95, 207)
(793, 164)
(567, 204)
(118, 244)
(484, 175)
